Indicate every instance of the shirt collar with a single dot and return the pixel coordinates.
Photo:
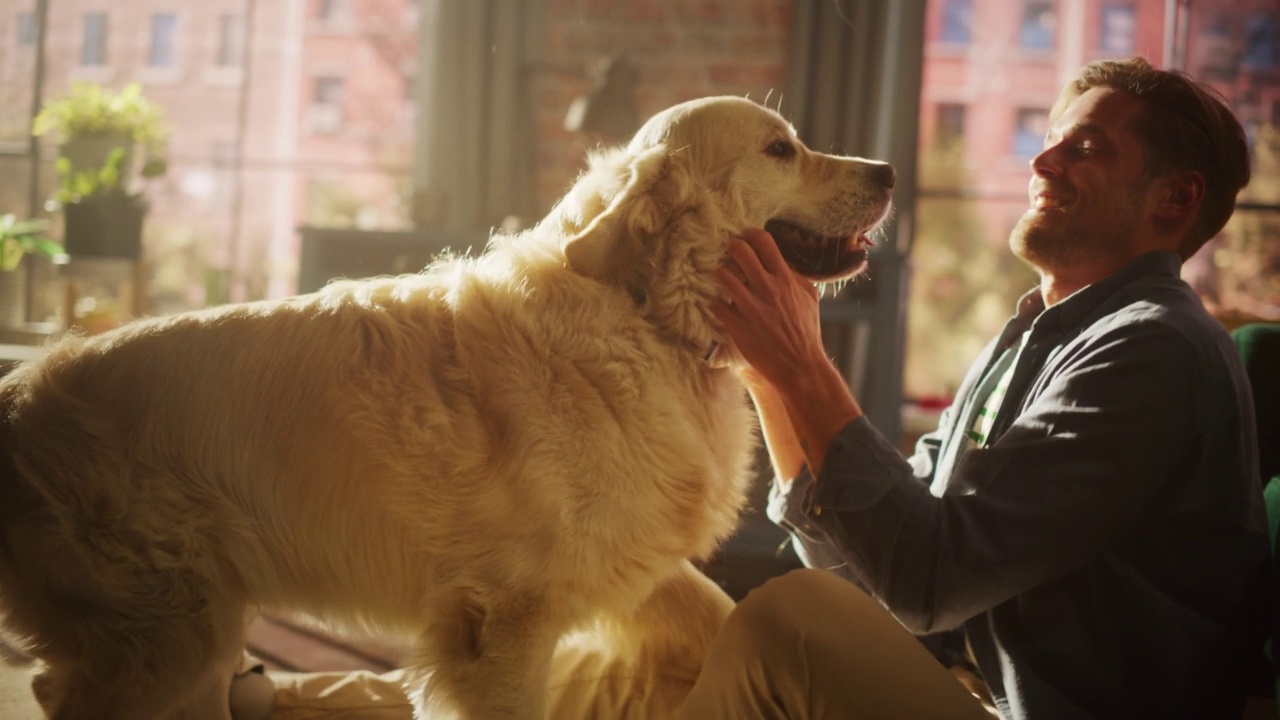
(1073, 309)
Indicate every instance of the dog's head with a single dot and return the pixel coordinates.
(655, 217)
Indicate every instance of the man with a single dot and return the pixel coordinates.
(1088, 510)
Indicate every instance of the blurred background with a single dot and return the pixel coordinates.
(163, 155)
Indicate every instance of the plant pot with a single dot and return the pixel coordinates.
(108, 226)
(88, 152)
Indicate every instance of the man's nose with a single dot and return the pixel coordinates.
(1046, 163)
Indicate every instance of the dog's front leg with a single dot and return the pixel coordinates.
(640, 665)
(485, 663)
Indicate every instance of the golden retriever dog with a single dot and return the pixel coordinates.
(489, 454)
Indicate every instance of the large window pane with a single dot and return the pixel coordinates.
(973, 187)
(1234, 46)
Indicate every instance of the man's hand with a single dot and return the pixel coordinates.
(771, 314)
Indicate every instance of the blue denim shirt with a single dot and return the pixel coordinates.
(1105, 550)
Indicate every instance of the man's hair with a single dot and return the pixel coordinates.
(1183, 125)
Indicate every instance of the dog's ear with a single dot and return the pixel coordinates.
(614, 246)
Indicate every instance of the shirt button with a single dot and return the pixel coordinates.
(817, 510)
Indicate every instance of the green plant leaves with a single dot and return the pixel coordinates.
(18, 237)
(90, 112)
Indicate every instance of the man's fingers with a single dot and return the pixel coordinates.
(728, 315)
(766, 248)
(732, 289)
(747, 262)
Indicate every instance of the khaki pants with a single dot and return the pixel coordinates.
(805, 645)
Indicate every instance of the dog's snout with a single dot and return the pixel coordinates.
(885, 175)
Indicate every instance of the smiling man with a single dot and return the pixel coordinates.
(1088, 510)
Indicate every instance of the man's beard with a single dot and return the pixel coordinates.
(1050, 242)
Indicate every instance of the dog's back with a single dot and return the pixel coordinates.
(358, 453)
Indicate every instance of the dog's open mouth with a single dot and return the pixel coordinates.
(816, 257)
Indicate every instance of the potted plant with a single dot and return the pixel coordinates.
(17, 238)
(101, 216)
(103, 134)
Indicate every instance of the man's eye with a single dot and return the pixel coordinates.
(780, 149)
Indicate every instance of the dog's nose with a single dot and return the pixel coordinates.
(885, 175)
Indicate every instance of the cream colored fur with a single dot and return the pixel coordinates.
(490, 454)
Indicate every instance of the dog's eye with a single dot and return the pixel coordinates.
(781, 149)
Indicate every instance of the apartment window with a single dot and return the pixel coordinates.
(326, 106)
(957, 17)
(223, 154)
(1118, 24)
(94, 51)
(1260, 41)
(1028, 133)
(26, 29)
(1039, 23)
(1219, 49)
(164, 38)
(332, 9)
(230, 41)
(950, 124)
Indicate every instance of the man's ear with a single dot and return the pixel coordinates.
(1183, 194)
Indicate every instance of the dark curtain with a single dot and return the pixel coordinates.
(475, 129)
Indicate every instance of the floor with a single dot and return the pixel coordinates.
(16, 702)
(296, 645)
(282, 643)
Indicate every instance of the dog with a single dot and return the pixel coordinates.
(486, 455)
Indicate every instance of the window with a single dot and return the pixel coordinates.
(230, 41)
(957, 16)
(326, 108)
(1260, 41)
(223, 154)
(1218, 49)
(332, 9)
(964, 279)
(1118, 25)
(26, 29)
(1028, 134)
(1039, 23)
(94, 52)
(950, 125)
(164, 31)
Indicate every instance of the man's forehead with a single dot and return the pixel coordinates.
(1101, 110)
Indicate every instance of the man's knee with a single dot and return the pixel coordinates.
(785, 611)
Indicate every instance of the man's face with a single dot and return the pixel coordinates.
(1088, 191)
